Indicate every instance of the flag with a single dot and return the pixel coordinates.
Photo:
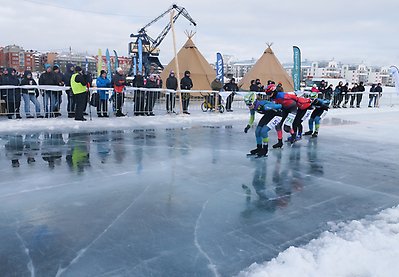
(108, 58)
(219, 67)
(99, 62)
(140, 50)
(116, 64)
(134, 66)
(395, 75)
(296, 70)
(86, 65)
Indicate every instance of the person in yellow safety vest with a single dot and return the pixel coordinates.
(79, 90)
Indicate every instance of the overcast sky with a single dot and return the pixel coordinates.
(348, 31)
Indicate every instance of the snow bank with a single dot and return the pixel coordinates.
(369, 247)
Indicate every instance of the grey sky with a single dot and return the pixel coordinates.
(349, 31)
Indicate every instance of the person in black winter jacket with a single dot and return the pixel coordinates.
(70, 68)
(59, 79)
(345, 94)
(230, 86)
(186, 84)
(253, 87)
(12, 96)
(30, 95)
(139, 95)
(48, 79)
(378, 94)
(171, 83)
(359, 94)
(151, 95)
(353, 94)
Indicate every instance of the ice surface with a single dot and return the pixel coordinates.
(176, 196)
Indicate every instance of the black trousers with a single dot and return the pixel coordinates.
(71, 103)
(170, 101)
(297, 124)
(139, 102)
(185, 101)
(150, 102)
(81, 102)
(229, 101)
(359, 98)
(119, 102)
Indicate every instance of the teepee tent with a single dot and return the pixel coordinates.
(191, 59)
(267, 68)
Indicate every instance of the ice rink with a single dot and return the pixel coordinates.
(184, 200)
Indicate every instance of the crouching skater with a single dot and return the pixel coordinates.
(289, 109)
(321, 106)
(271, 117)
(304, 106)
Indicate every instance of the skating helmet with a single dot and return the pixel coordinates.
(250, 98)
(270, 89)
(313, 95)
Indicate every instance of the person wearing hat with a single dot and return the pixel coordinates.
(48, 79)
(230, 86)
(171, 83)
(289, 109)
(13, 95)
(70, 70)
(103, 82)
(79, 89)
(216, 86)
(30, 95)
(151, 95)
(270, 112)
(186, 84)
(139, 95)
(59, 79)
(119, 83)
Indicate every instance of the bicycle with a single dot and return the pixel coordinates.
(208, 103)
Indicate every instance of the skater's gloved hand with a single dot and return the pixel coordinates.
(247, 128)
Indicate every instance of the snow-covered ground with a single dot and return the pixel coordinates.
(366, 247)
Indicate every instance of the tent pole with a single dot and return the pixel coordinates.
(172, 13)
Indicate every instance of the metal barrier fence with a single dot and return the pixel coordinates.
(39, 101)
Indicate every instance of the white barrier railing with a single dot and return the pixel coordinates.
(138, 101)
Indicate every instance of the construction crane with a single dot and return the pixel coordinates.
(150, 50)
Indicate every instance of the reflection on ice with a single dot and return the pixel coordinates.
(176, 201)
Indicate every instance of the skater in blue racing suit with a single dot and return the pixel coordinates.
(269, 110)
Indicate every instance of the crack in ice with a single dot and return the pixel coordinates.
(211, 265)
(30, 265)
(81, 252)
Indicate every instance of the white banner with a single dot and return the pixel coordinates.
(307, 115)
(290, 119)
(274, 122)
(395, 75)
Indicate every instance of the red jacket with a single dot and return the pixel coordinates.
(286, 100)
(303, 103)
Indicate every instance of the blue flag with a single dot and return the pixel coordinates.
(296, 70)
(134, 66)
(108, 58)
(219, 67)
(140, 50)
